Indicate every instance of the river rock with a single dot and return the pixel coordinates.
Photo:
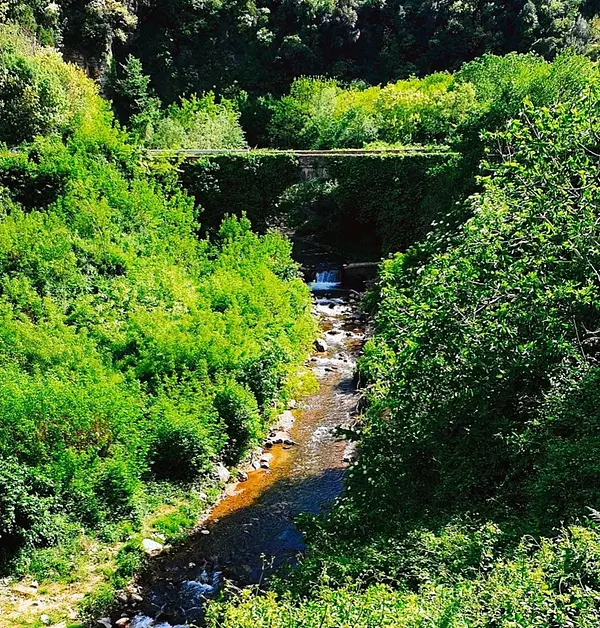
(285, 421)
(350, 453)
(151, 547)
(124, 622)
(279, 438)
(23, 590)
(104, 622)
(242, 476)
(45, 619)
(265, 461)
(320, 345)
(223, 473)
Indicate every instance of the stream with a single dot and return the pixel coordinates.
(251, 531)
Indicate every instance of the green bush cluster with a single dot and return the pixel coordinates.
(437, 109)
(194, 122)
(320, 113)
(39, 93)
(482, 344)
(550, 582)
(251, 184)
(475, 498)
(130, 349)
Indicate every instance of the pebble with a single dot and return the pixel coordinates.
(279, 438)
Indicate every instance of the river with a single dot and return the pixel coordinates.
(252, 531)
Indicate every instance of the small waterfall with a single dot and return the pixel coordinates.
(326, 279)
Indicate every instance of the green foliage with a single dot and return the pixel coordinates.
(473, 339)
(321, 114)
(128, 347)
(199, 123)
(240, 184)
(27, 501)
(193, 123)
(39, 94)
(553, 582)
(131, 94)
(261, 47)
(238, 409)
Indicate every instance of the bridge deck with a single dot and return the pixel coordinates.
(346, 152)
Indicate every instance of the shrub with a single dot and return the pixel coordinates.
(474, 337)
(27, 504)
(238, 410)
(39, 93)
(118, 326)
(185, 435)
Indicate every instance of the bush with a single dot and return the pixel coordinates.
(39, 94)
(238, 410)
(27, 505)
(119, 327)
(321, 114)
(477, 335)
(546, 583)
(182, 444)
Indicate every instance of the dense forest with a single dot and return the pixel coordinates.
(153, 323)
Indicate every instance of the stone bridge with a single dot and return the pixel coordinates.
(313, 163)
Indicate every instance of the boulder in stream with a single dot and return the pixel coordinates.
(285, 421)
(265, 461)
(151, 547)
(222, 473)
(279, 437)
(321, 346)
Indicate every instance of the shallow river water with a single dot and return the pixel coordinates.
(251, 531)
